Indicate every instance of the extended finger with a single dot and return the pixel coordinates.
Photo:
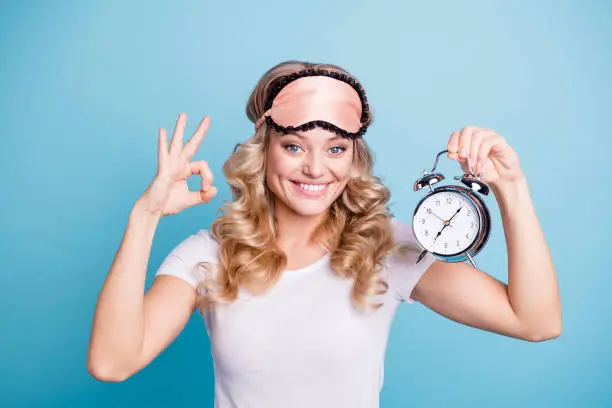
(177, 136)
(162, 146)
(194, 143)
(201, 168)
(453, 145)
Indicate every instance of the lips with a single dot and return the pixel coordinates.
(309, 182)
(309, 193)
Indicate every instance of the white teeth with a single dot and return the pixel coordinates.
(312, 187)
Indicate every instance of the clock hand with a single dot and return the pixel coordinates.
(447, 223)
(438, 217)
(439, 232)
(456, 212)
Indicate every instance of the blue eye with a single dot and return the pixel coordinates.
(291, 145)
(293, 148)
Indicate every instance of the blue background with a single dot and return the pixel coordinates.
(85, 86)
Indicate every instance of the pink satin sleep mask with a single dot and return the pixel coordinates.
(316, 97)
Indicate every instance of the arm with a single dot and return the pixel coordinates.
(129, 327)
(529, 307)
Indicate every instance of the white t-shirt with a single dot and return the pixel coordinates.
(302, 344)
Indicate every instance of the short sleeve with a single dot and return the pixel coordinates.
(181, 261)
(402, 270)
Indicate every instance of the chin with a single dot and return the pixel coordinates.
(310, 210)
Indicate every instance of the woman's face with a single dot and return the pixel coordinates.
(307, 171)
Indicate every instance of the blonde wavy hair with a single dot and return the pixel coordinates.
(356, 231)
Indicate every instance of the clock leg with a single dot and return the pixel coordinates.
(471, 259)
(421, 256)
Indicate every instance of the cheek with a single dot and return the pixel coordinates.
(342, 169)
(278, 164)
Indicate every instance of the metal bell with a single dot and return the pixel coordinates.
(474, 183)
(427, 180)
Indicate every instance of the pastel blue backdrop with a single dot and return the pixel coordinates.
(86, 84)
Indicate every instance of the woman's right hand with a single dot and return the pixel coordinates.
(168, 193)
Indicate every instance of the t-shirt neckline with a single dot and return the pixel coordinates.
(313, 266)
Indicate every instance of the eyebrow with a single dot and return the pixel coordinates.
(337, 137)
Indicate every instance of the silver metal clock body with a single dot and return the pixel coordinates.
(452, 223)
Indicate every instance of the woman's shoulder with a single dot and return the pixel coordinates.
(206, 235)
(401, 267)
(183, 259)
(200, 246)
(402, 231)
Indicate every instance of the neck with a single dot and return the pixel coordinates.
(294, 231)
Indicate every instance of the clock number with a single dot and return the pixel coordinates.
(457, 243)
(449, 200)
(437, 203)
(422, 220)
(428, 210)
(426, 233)
(469, 212)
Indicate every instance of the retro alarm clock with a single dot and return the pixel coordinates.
(451, 222)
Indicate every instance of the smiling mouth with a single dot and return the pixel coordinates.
(311, 189)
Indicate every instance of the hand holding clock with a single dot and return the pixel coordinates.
(488, 152)
(482, 153)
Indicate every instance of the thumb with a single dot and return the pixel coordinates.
(201, 196)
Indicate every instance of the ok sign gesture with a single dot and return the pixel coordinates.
(168, 193)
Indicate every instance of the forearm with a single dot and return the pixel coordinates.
(532, 283)
(118, 326)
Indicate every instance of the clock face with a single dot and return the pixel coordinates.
(435, 229)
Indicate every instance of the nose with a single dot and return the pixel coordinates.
(314, 165)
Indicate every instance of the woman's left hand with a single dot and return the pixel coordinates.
(489, 154)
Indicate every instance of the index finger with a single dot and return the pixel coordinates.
(453, 145)
(194, 143)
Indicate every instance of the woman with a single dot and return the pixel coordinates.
(299, 279)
